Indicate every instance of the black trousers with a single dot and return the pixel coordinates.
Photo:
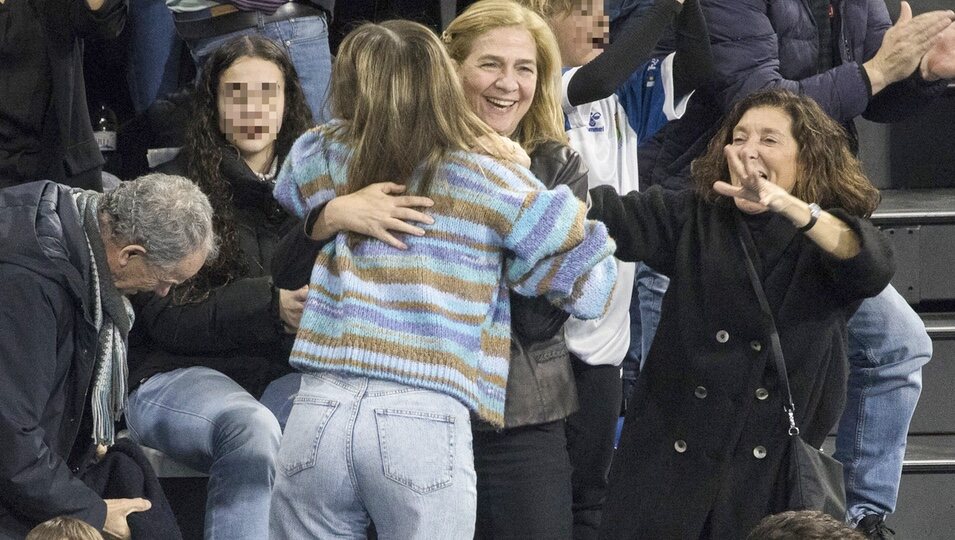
(590, 435)
(523, 483)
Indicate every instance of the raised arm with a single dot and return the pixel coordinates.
(602, 76)
(693, 61)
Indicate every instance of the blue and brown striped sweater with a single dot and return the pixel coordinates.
(437, 315)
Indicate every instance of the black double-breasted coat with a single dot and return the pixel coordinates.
(703, 451)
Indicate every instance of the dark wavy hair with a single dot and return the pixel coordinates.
(205, 147)
(828, 172)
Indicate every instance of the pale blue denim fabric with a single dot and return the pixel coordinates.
(205, 420)
(357, 450)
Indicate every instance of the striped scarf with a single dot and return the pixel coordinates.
(113, 317)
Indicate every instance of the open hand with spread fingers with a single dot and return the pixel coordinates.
(752, 185)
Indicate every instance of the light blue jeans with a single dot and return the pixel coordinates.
(357, 450)
(204, 419)
(888, 346)
(305, 39)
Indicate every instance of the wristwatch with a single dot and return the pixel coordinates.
(814, 213)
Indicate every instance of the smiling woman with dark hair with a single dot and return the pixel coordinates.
(207, 374)
(704, 451)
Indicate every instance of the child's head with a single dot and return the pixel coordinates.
(803, 525)
(64, 528)
(401, 103)
(581, 27)
(249, 95)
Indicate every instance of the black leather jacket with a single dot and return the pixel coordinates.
(540, 383)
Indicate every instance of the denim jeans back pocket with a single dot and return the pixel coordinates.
(306, 423)
(417, 448)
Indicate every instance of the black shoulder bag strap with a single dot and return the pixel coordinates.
(815, 479)
(778, 359)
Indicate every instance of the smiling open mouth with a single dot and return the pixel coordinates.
(501, 104)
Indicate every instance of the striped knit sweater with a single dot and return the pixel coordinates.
(437, 315)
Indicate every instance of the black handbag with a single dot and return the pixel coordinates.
(815, 480)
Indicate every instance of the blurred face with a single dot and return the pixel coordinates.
(582, 33)
(251, 102)
(500, 77)
(133, 272)
(764, 138)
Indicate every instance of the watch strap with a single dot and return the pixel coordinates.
(814, 212)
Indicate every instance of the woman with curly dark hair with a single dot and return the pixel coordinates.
(704, 449)
(208, 350)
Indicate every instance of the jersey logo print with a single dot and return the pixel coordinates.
(595, 125)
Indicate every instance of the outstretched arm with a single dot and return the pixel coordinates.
(830, 233)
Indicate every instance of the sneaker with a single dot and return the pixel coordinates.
(874, 528)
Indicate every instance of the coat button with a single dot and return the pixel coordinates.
(756, 346)
(700, 392)
(722, 336)
(762, 394)
(759, 452)
(680, 446)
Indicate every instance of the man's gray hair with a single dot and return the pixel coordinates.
(166, 214)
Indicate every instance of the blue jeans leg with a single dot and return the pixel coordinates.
(205, 420)
(888, 346)
(305, 39)
(651, 286)
(154, 52)
(357, 450)
(279, 396)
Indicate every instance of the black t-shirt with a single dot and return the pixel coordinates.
(25, 93)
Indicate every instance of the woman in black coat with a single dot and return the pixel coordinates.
(208, 350)
(704, 448)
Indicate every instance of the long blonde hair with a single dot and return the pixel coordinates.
(544, 120)
(401, 104)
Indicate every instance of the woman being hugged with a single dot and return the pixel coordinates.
(203, 355)
(704, 451)
(398, 342)
(509, 63)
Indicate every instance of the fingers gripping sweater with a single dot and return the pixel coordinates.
(437, 315)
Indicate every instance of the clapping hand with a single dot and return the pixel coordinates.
(939, 61)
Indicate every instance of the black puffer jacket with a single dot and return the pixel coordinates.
(237, 329)
(47, 352)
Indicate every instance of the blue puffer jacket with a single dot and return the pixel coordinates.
(759, 44)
